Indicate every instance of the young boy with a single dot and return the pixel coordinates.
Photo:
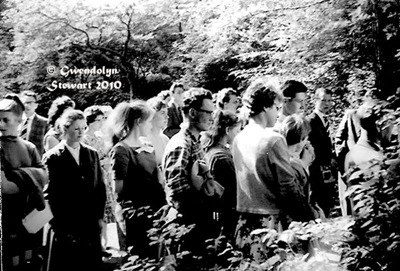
(22, 179)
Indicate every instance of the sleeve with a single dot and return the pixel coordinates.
(172, 127)
(223, 170)
(100, 189)
(119, 160)
(295, 203)
(176, 164)
(53, 189)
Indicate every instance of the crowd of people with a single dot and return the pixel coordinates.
(225, 163)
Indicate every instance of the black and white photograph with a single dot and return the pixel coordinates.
(200, 135)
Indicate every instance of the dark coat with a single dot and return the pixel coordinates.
(76, 193)
(175, 119)
(347, 135)
(37, 131)
(322, 192)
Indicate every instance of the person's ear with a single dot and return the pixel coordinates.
(227, 130)
(192, 113)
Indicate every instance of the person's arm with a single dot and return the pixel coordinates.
(342, 134)
(173, 126)
(50, 142)
(295, 203)
(119, 160)
(7, 187)
(100, 189)
(177, 176)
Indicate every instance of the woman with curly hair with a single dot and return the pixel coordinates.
(216, 144)
(57, 108)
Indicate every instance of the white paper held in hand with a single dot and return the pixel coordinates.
(36, 220)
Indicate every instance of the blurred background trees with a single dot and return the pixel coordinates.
(349, 46)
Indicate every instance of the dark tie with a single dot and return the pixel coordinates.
(24, 129)
(326, 123)
(180, 114)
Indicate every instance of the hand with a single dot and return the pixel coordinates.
(8, 187)
(307, 155)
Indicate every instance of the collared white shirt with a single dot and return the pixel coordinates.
(73, 151)
(321, 116)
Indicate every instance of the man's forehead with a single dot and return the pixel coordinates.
(300, 96)
(26, 98)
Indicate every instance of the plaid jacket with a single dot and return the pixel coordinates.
(180, 154)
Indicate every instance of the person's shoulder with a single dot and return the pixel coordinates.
(164, 138)
(119, 147)
(312, 116)
(55, 151)
(41, 119)
(88, 147)
(27, 143)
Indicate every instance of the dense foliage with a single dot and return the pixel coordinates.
(349, 46)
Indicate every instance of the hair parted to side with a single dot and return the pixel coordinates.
(12, 103)
(259, 95)
(58, 107)
(222, 119)
(92, 112)
(290, 87)
(320, 91)
(68, 118)
(124, 118)
(224, 95)
(29, 93)
(295, 128)
(193, 98)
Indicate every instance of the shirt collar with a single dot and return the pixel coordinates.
(70, 148)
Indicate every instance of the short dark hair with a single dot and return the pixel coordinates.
(223, 96)
(92, 112)
(193, 98)
(29, 93)
(290, 87)
(259, 95)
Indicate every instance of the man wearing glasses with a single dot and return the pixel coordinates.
(184, 166)
(33, 126)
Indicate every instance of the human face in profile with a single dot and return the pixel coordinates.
(294, 105)
(272, 113)
(233, 103)
(204, 116)
(160, 119)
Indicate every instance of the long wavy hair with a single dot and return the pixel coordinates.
(222, 119)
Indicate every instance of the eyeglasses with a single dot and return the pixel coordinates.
(205, 111)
